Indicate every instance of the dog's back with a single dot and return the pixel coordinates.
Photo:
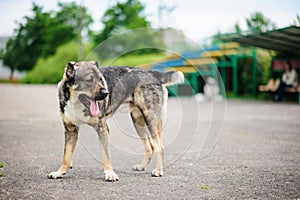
(136, 76)
(122, 81)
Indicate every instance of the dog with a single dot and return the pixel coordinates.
(89, 94)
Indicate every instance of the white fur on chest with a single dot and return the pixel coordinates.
(74, 113)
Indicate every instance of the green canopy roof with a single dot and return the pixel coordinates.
(284, 40)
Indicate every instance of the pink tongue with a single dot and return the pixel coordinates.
(94, 108)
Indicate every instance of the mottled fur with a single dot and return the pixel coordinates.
(89, 94)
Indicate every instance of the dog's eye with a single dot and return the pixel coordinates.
(90, 79)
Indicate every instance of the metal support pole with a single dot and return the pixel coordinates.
(254, 72)
(234, 61)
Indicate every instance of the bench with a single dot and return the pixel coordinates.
(278, 67)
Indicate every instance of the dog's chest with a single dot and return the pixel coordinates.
(74, 113)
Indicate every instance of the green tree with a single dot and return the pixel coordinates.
(122, 16)
(23, 50)
(133, 42)
(71, 21)
(40, 35)
(257, 22)
(74, 16)
(10, 57)
(237, 28)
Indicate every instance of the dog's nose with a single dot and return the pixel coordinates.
(103, 93)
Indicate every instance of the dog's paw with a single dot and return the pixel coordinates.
(55, 175)
(110, 175)
(157, 172)
(138, 168)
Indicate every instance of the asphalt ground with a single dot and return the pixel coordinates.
(235, 149)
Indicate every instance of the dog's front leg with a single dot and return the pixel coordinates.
(103, 135)
(71, 136)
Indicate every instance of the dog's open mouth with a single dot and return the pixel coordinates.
(90, 103)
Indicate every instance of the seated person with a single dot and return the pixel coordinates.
(289, 80)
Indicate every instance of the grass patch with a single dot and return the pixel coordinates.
(204, 186)
(50, 70)
(1, 166)
(245, 134)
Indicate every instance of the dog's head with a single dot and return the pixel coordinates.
(87, 84)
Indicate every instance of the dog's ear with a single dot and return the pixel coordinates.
(95, 63)
(70, 71)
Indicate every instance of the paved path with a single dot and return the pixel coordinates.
(257, 154)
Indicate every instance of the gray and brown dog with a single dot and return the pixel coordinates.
(89, 94)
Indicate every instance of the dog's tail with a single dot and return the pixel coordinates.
(172, 78)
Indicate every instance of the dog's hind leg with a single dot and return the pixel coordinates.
(150, 101)
(142, 130)
(71, 136)
(103, 135)
(156, 142)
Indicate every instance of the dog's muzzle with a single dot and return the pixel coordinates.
(92, 103)
(101, 95)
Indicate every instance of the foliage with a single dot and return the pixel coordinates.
(9, 56)
(21, 51)
(50, 69)
(264, 58)
(1, 166)
(126, 30)
(40, 35)
(136, 41)
(245, 72)
(257, 22)
(74, 16)
(120, 17)
(204, 186)
(237, 29)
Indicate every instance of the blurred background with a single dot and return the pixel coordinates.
(38, 38)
